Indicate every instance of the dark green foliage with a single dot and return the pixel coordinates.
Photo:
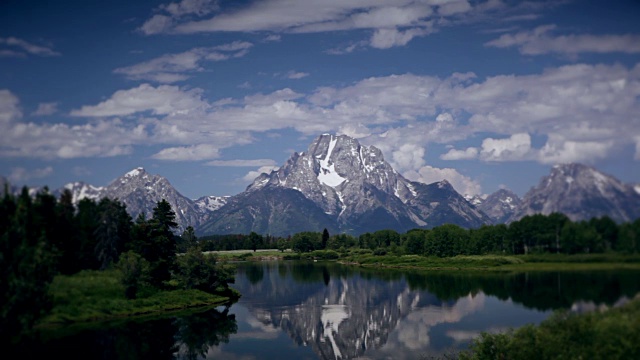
(306, 241)
(187, 240)
(612, 334)
(113, 231)
(27, 261)
(154, 240)
(448, 240)
(135, 272)
(202, 272)
(325, 238)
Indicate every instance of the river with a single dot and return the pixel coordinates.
(324, 310)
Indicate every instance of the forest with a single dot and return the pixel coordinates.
(42, 236)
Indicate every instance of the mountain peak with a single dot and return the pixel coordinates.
(136, 172)
(581, 192)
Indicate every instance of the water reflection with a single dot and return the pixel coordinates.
(308, 310)
(181, 337)
(348, 312)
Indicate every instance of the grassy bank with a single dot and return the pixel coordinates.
(607, 334)
(548, 262)
(99, 295)
(367, 258)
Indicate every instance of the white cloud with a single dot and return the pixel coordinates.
(171, 68)
(20, 174)
(559, 150)
(387, 38)
(22, 48)
(467, 154)
(187, 7)
(540, 41)
(251, 175)
(243, 163)
(394, 22)
(296, 75)
(273, 37)
(400, 114)
(9, 107)
(46, 109)
(461, 183)
(161, 100)
(173, 12)
(190, 153)
(516, 147)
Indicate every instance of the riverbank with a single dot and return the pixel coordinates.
(610, 333)
(366, 258)
(99, 296)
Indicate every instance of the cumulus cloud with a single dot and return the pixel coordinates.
(243, 163)
(191, 153)
(578, 105)
(542, 41)
(516, 147)
(15, 47)
(20, 174)
(161, 100)
(560, 150)
(461, 183)
(46, 109)
(467, 154)
(9, 107)
(387, 38)
(172, 68)
(252, 175)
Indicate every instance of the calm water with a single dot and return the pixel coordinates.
(306, 310)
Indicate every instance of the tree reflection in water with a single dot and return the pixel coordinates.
(183, 337)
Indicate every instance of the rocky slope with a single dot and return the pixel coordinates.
(355, 189)
(580, 192)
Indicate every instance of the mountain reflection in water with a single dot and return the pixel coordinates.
(324, 310)
(348, 312)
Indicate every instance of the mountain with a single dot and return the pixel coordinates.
(353, 188)
(500, 205)
(80, 190)
(580, 192)
(210, 203)
(141, 191)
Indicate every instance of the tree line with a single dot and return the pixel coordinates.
(553, 233)
(42, 236)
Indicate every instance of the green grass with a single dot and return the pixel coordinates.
(98, 295)
(547, 262)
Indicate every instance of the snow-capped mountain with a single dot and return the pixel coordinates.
(500, 205)
(581, 192)
(81, 190)
(210, 203)
(141, 191)
(475, 200)
(356, 188)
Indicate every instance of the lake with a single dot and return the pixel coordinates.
(324, 310)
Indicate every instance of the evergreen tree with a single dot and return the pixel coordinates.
(325, 238)
(27, 263)
(113, 231)
(161, 248)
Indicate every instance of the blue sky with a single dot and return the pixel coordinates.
(208, 94)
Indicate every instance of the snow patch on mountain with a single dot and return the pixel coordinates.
(328, 174)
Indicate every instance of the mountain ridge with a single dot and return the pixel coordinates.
(344, 186)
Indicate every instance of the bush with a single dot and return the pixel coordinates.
(134, 271)
(380, 251)
(202, 272)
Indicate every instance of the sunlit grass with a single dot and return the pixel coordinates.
(98, 295)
